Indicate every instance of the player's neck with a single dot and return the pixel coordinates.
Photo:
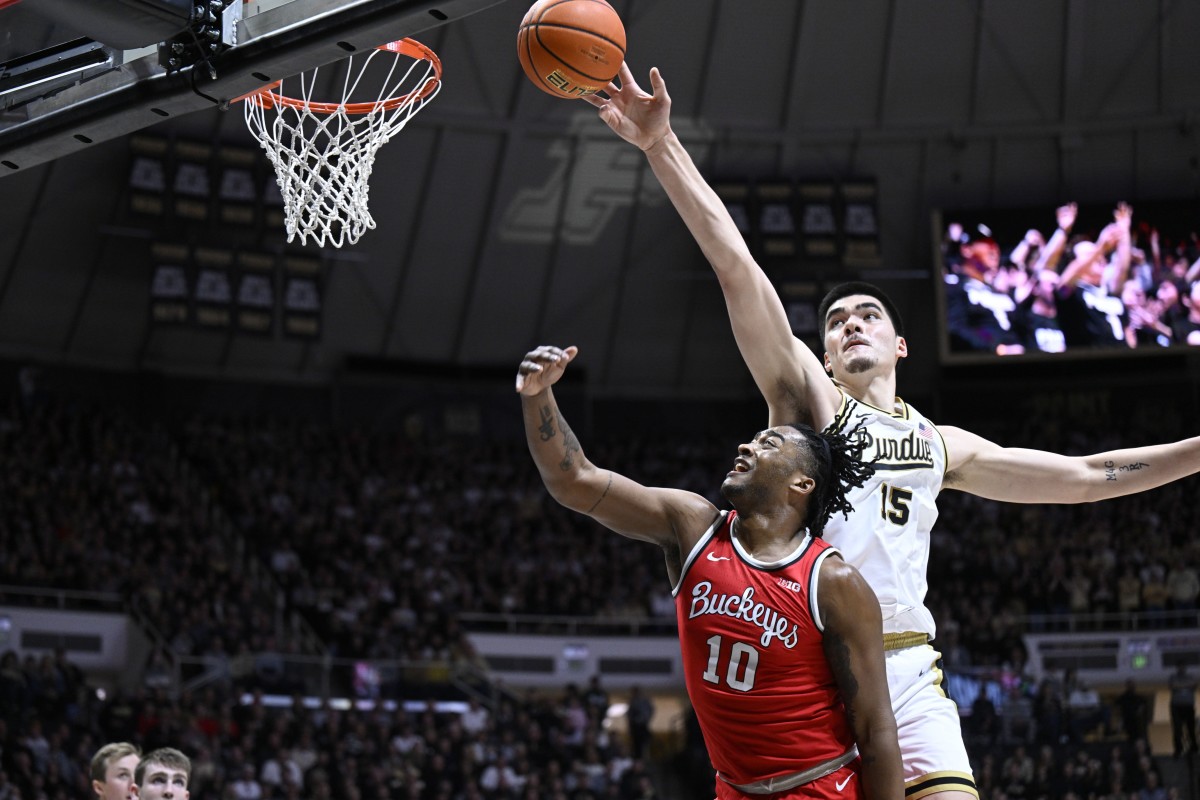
(874, 389)
(764, 535)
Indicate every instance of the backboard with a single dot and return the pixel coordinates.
(73, 94)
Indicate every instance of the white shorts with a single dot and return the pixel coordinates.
(930, 732)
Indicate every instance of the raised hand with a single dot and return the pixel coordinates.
(541, 368)
(637, 117)
(1123, 215)
(1065, 215)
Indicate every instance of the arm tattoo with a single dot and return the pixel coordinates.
(546, 429)
(838, 653)
(1111, 469)
(570, 445)
(607, 486)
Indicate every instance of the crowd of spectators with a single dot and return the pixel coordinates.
(380, 541)
(1126, 285)
(94, 501)
(536, 747)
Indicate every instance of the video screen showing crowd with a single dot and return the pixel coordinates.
(1071, 280)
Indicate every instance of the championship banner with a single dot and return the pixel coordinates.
(301, 297)
(800, 299)
(816, 201)
(237, 186)
(148, 175)
(274, 218)
(776, 217)
(191, 184)
(214, 288)
(255, 299)
(860, 224)
(170, 301)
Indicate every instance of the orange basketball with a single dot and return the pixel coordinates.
(571, 48)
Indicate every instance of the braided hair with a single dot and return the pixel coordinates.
(835, 462)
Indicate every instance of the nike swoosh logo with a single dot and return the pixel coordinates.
(711, 557)
(842, 784)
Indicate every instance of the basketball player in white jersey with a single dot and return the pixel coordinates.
(887, 536)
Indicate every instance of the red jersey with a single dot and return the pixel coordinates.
(756, 673)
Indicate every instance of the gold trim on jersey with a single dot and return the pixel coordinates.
(901, 641)
(899, 407)
(940, 782)
(839, 419)
(899, 453)
(941, 676)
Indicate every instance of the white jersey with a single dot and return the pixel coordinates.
(887, 535)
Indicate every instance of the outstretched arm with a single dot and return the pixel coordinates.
(1072, 273)
(1193, 273)
(670, 518)
(1052, 252)
(854, 648)
(1018, 475)
(1118, 269)
(790, 377)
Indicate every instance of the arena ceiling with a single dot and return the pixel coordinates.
(507, 218)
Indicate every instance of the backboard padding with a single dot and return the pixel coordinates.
(276, 43)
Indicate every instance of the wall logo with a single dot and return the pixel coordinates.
(595, 174)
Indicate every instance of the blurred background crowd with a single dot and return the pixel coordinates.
(244, 543)
(1073, 286)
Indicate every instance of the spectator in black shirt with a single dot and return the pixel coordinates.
(979, 315)
(1090, 310)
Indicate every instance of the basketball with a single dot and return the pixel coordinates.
(571, 48)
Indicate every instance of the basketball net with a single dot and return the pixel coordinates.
(323, 153)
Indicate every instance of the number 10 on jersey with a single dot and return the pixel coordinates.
(743, 661)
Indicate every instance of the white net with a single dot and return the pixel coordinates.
(323, 153)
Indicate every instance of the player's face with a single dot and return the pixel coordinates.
(1132, 294)
(859, 337)
(1095, 270)
(162, 783)
(985, 252)
(1167, 293)
(1043, 289)
(118, 778)
(764, 468)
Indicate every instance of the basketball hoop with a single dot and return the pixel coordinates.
(323, 153)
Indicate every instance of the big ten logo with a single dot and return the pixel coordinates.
(592, 173)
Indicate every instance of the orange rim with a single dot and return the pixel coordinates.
(406, 47)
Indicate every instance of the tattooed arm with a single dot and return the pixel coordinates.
(671, 518)
(854, 648)
(1018, 475)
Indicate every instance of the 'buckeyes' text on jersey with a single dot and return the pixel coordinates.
(754, 664)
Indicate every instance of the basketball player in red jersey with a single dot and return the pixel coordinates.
(780, 638)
